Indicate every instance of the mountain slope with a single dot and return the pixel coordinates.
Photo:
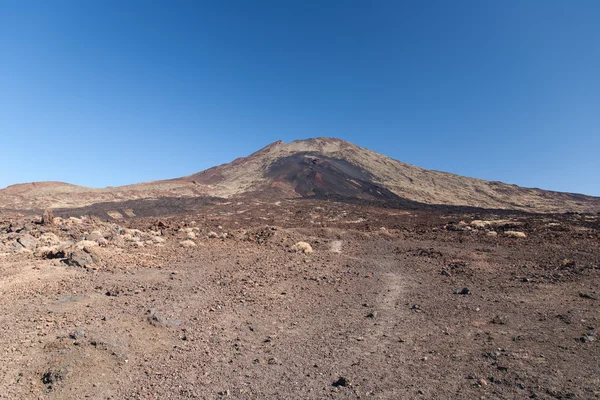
(328, 164)
(319, 167)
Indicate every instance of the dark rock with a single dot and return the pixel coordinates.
(587, 338)
(464, 291)
(15, 228)
(372, 315)
(341, 381)
(591, 296)
(161, 224)
(113, 292)
(52, 253)
(51, 376)
(80, 258)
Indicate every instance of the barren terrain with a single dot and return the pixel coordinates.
(314, 269)
(216, 299)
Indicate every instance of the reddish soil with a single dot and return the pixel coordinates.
(372, 313)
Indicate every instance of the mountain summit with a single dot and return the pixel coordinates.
(322, 168)
(334, 167)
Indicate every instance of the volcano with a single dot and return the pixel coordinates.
(312, 168)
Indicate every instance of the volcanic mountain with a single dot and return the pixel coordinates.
(319, 168)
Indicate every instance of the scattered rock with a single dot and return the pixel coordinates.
(302, 247)
(50, 252)
(85, 244)
(52, 376)
(49, 239)
(587, 338)
(80, 258)
(78, 334)
(28, 241)
(464, 291)
(591, 296)
(154, 318)
(499, 320)
(113, 292)
(341, 381)
(212, 235)
(515, 234)
(48, 217)
(188, 243)
(372, 315)
(96, 237)
(336, 246)
(480, 224)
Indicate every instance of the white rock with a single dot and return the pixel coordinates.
(515, 234)
(302, 247)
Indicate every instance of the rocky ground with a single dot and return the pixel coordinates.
(300, 299)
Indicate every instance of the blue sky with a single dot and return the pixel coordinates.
(105, 93)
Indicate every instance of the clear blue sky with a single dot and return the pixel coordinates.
(108, 92)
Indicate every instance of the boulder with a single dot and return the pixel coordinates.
(515, 234)
(96, 236)
(80, 258)
(28, 241)
(302, 247)
(49, 239)
(480, 224)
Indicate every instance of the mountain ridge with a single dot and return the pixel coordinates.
(315, 167)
